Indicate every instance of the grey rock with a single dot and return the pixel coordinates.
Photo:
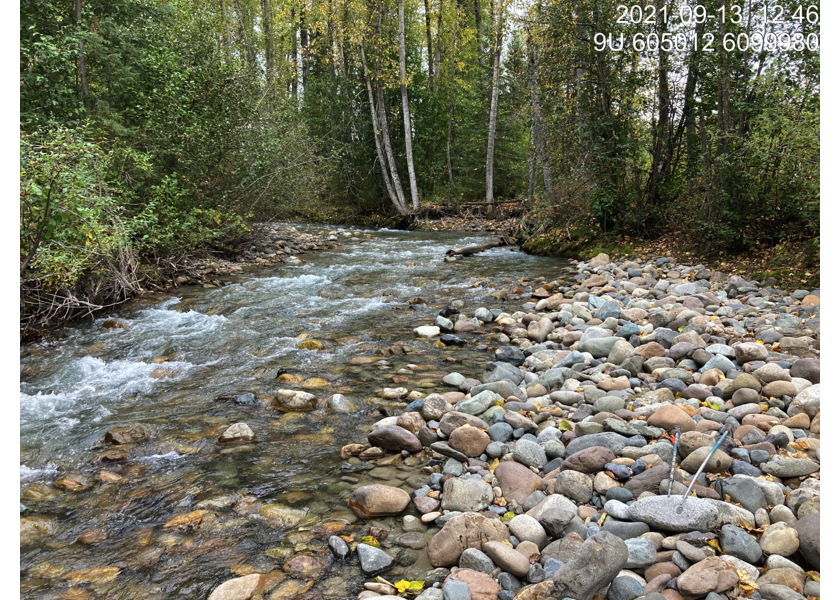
(641, 552)
(625, 588)
(338, 547)
(613, 441)
(456, 590)
(475, 559)
(661, 512)
(466, 495)
(790, 467)
(373, 560)
(477, 404)
(738, 543)
(529, 453)
(595, 564)
(776, 591)
(504, 372)
(808, 528)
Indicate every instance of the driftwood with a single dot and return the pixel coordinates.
(470, 250)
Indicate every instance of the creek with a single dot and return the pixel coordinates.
(177, 362)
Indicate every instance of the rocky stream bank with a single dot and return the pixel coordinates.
(520, 445)
(548, 475)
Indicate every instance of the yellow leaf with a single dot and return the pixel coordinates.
(602, 519)
(714, 544)
(404, 586)
(370, 541)
(493, 465)
(746, 583)
(564, 425)
(815, 575)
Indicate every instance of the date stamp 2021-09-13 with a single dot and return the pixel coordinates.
(694, 27)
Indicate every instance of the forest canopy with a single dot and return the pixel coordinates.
(151, 128)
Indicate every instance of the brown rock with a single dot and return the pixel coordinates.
(692, 440)
(792, 578)
(517, 481)
(658, 583)
(811, 299)
(186, 521)
(351, 450)
(669, 416)
(372, 453)
(93, 536)
(777, 389)
(800, 421)
(594, 281)
(563, 549)
(425, 504)
(468, 530)
(95, 575)
(610, 385)
(411, 421)
(74, 482)
(392, 437)
(709, 575)
(469, 440)
(589, 460)
(304, 566)
(648, 481)
(692, 337)
(538, 591)
(506, 558)
(662, 568)
(378, 501)
(650, 350)
(482, 586)
(128, 434)
(241, 588)
(711, 377)
(454, 419)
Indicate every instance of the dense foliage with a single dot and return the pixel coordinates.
(151, 128)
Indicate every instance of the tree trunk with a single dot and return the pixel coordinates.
(227, 39)
(409, 155)
(304, 49)
(536, 128)
(494, 99)
(661, 150)
(451, 101)
(294, 56)
(401, 208)
(243, 32)
(269, 51)
(724, 119)
(439, 36)
(429, 54)
(479, 32)
(331, 39)
(383, 119)
(82, 63)
(470, 250)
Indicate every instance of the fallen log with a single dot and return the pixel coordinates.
(470, 250)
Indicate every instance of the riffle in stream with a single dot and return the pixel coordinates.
(183, 363)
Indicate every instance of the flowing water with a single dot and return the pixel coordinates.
(177, 362)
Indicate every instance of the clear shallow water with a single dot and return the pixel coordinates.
(176, 366)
